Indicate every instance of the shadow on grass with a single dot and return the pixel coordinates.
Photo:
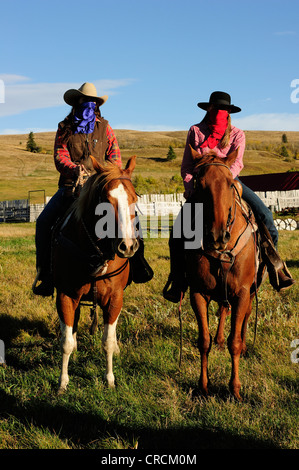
(82, 428)
(293, 263)
(10, 328)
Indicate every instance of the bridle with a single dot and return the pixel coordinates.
(227, 257)
(116, 272)
(93, 242)
(119, 178)
(230, 220)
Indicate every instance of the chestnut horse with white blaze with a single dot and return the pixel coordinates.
(225, 268)
(112, 187)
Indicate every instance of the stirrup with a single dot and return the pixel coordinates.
(279, 276)
(280, 279)
(176, 291)
(285, 279)
(36, 278)
(45, 288)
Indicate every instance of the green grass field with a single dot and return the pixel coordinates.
(155, 405)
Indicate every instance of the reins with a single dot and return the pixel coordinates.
(229, 255)
(116, 272)
(93, 307)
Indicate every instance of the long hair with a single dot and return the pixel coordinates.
(224, 142)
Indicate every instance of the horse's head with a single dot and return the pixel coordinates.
(122, 196)
(215, 189)
(111, 194)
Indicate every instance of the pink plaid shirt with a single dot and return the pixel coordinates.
(196, 136)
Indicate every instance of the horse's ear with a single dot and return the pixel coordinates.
(195, 155)
(130, 165)
(231, 157)
(95, 164)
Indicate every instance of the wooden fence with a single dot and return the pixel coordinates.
(279, 200)
(15, 211)
(160, 205)
(19, 211)
(164, 204)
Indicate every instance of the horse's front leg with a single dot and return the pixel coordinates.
(240, 309)
(223, 312)
(244, 326)
(68, 311)
(109, 340)
(200, 307)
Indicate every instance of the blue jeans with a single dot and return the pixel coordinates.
(55, 208)
(261, 212)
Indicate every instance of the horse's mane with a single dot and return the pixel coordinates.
(89, 195)
(209, 157)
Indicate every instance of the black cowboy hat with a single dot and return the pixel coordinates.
(220, 100)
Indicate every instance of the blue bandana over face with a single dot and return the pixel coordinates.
(84, 118)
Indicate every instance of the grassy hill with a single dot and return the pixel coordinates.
(155, 405)
(22, 171)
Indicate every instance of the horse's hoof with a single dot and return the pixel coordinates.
(237, 397)
(235, 392)
(61, 391)
(220, 344)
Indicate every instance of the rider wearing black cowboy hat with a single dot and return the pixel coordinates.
(215, 132)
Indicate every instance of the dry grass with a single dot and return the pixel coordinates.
(154, 405)
(22, 171)
(154, 401)
(17, 230)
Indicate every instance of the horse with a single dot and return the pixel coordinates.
(105, 280)
(225, 268)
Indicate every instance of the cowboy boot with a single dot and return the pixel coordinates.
(46, 287)
(279, 276)
(140, 269)
(177, 279)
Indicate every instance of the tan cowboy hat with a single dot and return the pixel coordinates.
(88, 90)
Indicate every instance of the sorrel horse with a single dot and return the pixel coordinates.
(225, 268)
(113, 187)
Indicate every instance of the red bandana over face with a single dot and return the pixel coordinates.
(217, 126)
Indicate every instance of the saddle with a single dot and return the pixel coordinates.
(81, 262)
(88, 262)
(227, 258)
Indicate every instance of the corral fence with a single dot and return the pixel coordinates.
(279, 200)
(155, 205)
(21, 210)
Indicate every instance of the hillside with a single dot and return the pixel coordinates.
(22, 171)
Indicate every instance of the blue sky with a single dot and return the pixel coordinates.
(155, 59)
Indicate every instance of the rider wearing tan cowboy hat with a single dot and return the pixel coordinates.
(82, 133)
